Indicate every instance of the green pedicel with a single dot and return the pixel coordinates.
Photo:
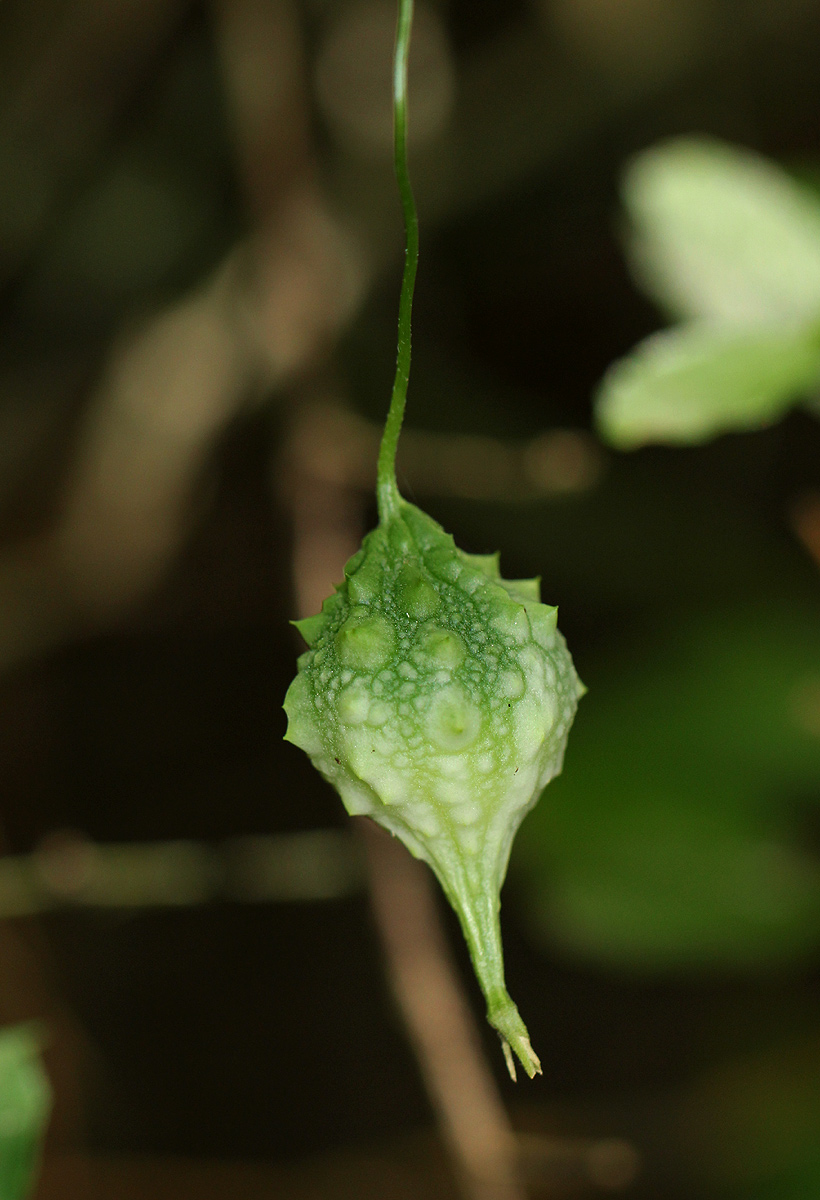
(437, 697)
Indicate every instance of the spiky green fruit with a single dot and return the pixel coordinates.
(437, 697)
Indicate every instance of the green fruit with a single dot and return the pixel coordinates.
(437, 697)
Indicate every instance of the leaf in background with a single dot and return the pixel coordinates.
(670, 840)
(753, 1123)
(724, 235)
(693, 382)
(25, 1103)
(798, 1183)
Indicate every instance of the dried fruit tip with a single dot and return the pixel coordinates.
(504, 1017)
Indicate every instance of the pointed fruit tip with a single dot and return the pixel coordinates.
(505, 1019)
(509, 1060)
(534, 1067)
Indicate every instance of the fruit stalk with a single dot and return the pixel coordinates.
(387, 492)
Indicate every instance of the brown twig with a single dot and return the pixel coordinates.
(264, 72)
(473, 1121)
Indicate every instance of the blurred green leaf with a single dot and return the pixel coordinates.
(25, 1102)
(798, 1183)
(693, 382)
(722, 234)
(753, 1124)
(669, 839)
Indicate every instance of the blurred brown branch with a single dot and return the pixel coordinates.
(264, 73)
(68, 869)
(339, 447)
(408, 1168)
(171, 387)
(441, 1027)
(283, 296)
(169, 391)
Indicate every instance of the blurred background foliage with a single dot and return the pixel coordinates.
(199, 263)
(25, 1100)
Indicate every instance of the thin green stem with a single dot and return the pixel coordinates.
(387, 491)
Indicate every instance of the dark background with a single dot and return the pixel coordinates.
(267, 1031)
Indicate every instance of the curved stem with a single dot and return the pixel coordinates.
(386, 489)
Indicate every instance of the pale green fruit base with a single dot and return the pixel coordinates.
(437, 697)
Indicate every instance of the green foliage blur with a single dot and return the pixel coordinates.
(725, 240)
(25, 1103)
(676, 840)
(679, 839)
